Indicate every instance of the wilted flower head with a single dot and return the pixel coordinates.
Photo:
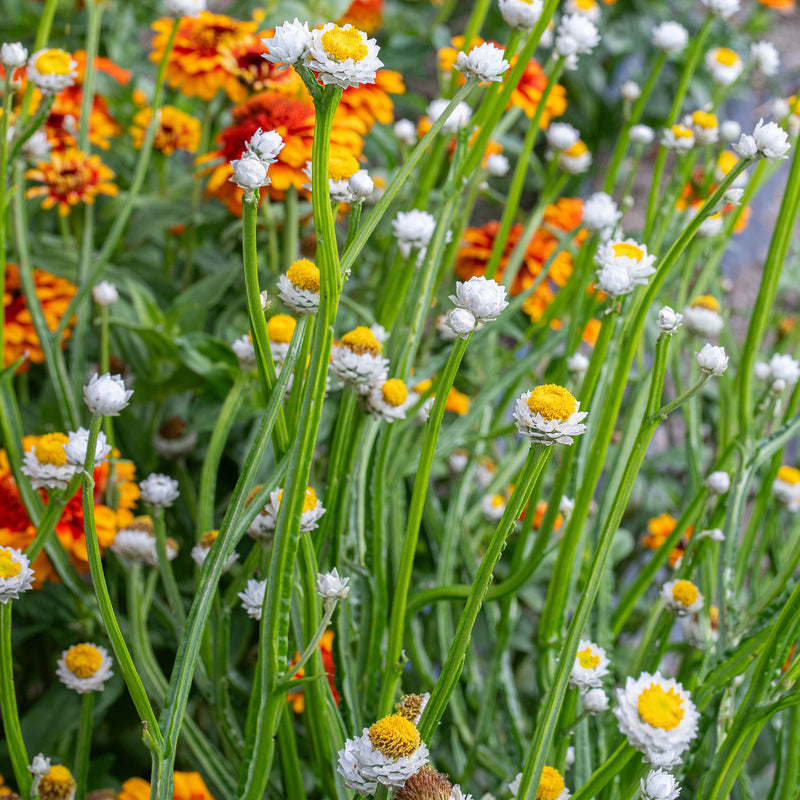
(484, 63)
(57, 784)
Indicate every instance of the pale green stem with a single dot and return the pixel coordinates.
(84, 745)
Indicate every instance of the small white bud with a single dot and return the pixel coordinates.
(105, 294)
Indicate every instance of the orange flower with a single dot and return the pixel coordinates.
(366, 15)
(176, 130)
(186, 786)
(197, 65)
(54, 295)
(538, 516)
(457, 402)
(658, 530)
(781, 5)
(70, 177)
(370, 102)
(297, 700)
(16, 529)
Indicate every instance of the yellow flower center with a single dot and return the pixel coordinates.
(83, 660)
(659, 708)
(304, 274)
(342, 166)
(578, 149)
(727, 161)
(626, 250)
(310, 500)
(587, 659)
(685, 593)
(394, 392)
(726, 57)
(361, 340)
(552, 402)
(8, 567)
(58, 784)
(681, 132)
(498, 500)
(54, 62)
(281, 327)
(208, 538)
(50, 449)
(551, 784)
(394, 736)
(706, 301)
(705, 120)
(585, 5)
(144, 524)
(789, 474)
(344, 43)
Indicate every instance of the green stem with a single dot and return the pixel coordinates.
(165, 568)
(84, 746)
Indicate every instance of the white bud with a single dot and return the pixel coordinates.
(668, 320)
(105, 294)
(106, 395)
(360, 184)
(249, 172)
(631, 91)
(332, 587)
(461, 322)
(405, 131)
(595, 701)
(712, 360)
(13, 55)
(718, 482)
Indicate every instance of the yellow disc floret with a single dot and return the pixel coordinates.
(344, 43)
(304, 274)
(552, 402)
(8, 567)
(705, 120)
(587, 659)
(394, 736)
(310, 500)
(498, 500)
(789, 474)
(628, 250)
(578, 149)
(551, 784)
(50, 449)
(57, 784)
(394, 392)
(361, 340)
(681, 132)
(83, 660)
(54, 62)
(706, 301)
(281, 327)
(660, 708)
(208, 538)
(726, 57)
(342, 166)
(685, 593)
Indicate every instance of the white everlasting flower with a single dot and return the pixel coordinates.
(595, 701)
(159, 491)
(51, 70)
(711, 226)
(461, 322)
(786, 487)
(483, 297)
(642, 134)
(681, 597)
(658, 717)
(16, 574)
(413, 229)
(105, 294)
(388, 753)
(704, 126)
(600, 214)
(405, 131)
(497, 165)
(484, 63)
(299, 287)
(185, 8)
(576, 34)
(781, 367)
(668, 320)
(485, 473)
(493, 507)
(729, 130)
(552, 779)
(562, 136)
(548, 415)
(201, 550)
(591, 666)
(721, 8)
(85, 668)
(459, 118)
(37, 147)
(702, 318)
(724, 65)
(136, 543)
(733, 196)
(765, 57)
(712, 360)
(361, 185)
(245, 352)
(249, 172)
(590, 10)
(309, 517)
(715, 534)
(265, 146)
(75, 448)
(671, 37)
(576, 159)
(343, 56)
(768, 141)
(458, 460)
(566, 506)
(718, 482)
(356, 359)
(521, 14)
(289, 43)
(659, 785)
(13, 55)
(577, 364)
(631, 91)
(253, 597)
(39, 767)
(678, 138)
(389, 400)
(623, 265)
(330, 586)
(46, 463)
(106, 395)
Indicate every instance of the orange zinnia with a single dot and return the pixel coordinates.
(297, 700)
(780, 5)
(177, 130)
(186, 786)
(366, 15)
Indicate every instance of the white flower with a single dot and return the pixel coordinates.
(288, 44)
(553, 779)
(299, 287)
(79, 441)
(40, 767)
(84, 668)
(105, 293)
(590, 667)
(681, 597)
(459, 118)
(624, 265)
(715, 534)
(389, 400)
(37, 147)
(765, 57)
(159, 491)
(265, 146)
(724, 65)
(51, 70)
(704, 126)
(671, 37)
(786, 487)
(548, 415)
(722, 8)
(733, 196)
(364, 766)
(245, 351)
(668, 320)
(330, 586)
(576, 159)
(16, 574)
(136, 543)
(712, 360)
(484, 298)
(201, 550)
(659, 785)
(356, 359)
(718, 482)
(405, 131)
(702, 318)
(590, 10)
(497, 165)
(458, 460)
(360, 184)
(576, 34)
(658, 717)
(343, 56)
(46, 463)
(249, 172)
(600, 214)
(413, 229)
(185, 8)
(309, 516)
(678, 138)
(493, 507)
(781, 367)
(631, 91)
(13, 55)
(768, 141)
(566, 506)
(253, 597)
(578, 363)
(595, 701)
(729, 130)
(106, 395)
(711, 226)
(521, 14)
(484, 63)
(562, 136)
(642, 134)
